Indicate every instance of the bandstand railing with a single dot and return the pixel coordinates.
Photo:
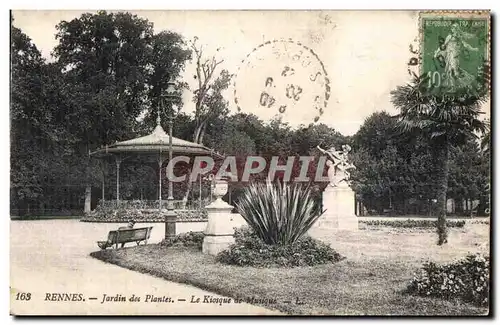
(151, 204)
(144, 211)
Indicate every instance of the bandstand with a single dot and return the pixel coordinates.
(154, 149)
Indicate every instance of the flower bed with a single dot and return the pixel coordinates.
(467, 279)
(412, 223)
(250, 250)
(123, 215)
(189, 239)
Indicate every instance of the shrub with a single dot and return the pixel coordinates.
(250, 250)
(412, 223)
(278, 214)
(188, 239)
(467, 279)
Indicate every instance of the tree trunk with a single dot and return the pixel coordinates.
(202, 133)
(199, 133)
(442, 154)
(196, 135)
(88, 186)
(88, 199)
(188, 190)
(459, 206)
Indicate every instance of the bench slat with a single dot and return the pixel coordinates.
(131, 235)
(127, 236)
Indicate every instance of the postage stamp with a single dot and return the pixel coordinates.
(249, 162)
(455, 49)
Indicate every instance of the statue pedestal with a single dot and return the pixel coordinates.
(219, 232)
(339, 205)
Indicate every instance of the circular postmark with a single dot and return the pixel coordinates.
(281, 77)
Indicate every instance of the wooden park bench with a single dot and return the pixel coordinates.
(123, 236)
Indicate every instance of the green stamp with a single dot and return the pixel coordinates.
(455, 52)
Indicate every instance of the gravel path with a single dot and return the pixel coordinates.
(50, 257)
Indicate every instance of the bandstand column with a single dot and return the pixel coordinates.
(159, 182)
(118, 162)
(103, 166)
(161, 160)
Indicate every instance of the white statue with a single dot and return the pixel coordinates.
(338, 164)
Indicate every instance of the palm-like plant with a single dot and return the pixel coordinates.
(278, 213)
(444, 119)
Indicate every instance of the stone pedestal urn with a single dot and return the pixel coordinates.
(339, 203)
(219, 231)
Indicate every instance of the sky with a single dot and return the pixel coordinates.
(364, 54)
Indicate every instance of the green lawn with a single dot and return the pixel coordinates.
(370, 283)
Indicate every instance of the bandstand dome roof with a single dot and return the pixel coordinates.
(157, 141)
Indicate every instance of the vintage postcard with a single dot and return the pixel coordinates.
(250, 163)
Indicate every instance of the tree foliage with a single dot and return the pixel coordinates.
(105, 85)
(38, 139)
(109, 70)
(444, 119)
(396, 173)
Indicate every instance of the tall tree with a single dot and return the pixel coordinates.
(468, 176)
(232, 141)
(376, 133)
(444, 119)
(393, 171)
(26, 119)
(38, 139)
(105, 57)
(167, 58)
(208, 99)
(486, 166)
(117, 70)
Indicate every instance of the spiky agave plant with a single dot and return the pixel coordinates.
(278, 213)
